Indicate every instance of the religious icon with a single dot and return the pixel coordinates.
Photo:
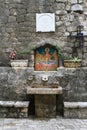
(46, 59)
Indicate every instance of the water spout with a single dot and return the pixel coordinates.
(45, 78)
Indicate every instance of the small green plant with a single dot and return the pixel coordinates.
(19, 54)
(60, 55)
(24, 51)
(59, 51)
(76, 59)
(57, 47)
(27, 50)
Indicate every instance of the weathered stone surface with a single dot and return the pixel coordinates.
(77, 7)
(61, 12)
(71, 29)
(59, 23)
(61, 1)
(21, 104)
(68, 7)
(10, 1)
(84, 62)
(75, 110)
(47, 108)
(85, 49)
(12, 19)
(80, 1)
(18, 30)
(60, 6)
(12, 109)
(75, 104)
(85, 56)
(73, 1)
(7, 103)
(85, 13)
(45, 91)
(14, 83)
(68, 49)
(18, 22)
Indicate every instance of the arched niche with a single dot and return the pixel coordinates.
(46, 58)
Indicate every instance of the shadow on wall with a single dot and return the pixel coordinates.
(31, 108)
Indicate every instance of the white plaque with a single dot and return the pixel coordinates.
(45, 22)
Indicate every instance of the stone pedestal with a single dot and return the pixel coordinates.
(45, 105)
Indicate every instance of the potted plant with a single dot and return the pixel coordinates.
(17, 62)
(72, 63)
(21, 58)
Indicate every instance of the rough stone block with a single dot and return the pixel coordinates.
(60, 6)
(10, 1)
(75, 110)
(77, 7)
(68, 7)
(84, 63)
(7, 103)
(85, 13)
(61, 12)
(71, 105)
(73, 1)
(21, 104)
(59, 23)
(14, 109)
(12, 19)
(45, 105)
(80, 1)
(85, 55)
(85, 49)
(61, 1)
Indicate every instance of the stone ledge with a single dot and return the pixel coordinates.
(7, 103)
(21, 104)
(75, 104)
(14, 104)
(44, 90)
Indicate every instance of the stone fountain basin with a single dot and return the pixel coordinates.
(44, 89)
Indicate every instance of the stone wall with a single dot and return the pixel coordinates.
(14, 83)
(18, 25)
(11, 109)
(18, 31)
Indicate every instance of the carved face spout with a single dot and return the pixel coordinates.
(44, 78)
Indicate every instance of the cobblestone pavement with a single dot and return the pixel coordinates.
(43, 124)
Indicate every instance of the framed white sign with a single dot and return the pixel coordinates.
(45, 22)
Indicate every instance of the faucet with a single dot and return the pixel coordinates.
(44, 78)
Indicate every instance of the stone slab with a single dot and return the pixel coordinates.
(22, 104)
(75, 104)
(7, 103)
(44, 90)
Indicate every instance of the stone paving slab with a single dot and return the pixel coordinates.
(43, 124)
